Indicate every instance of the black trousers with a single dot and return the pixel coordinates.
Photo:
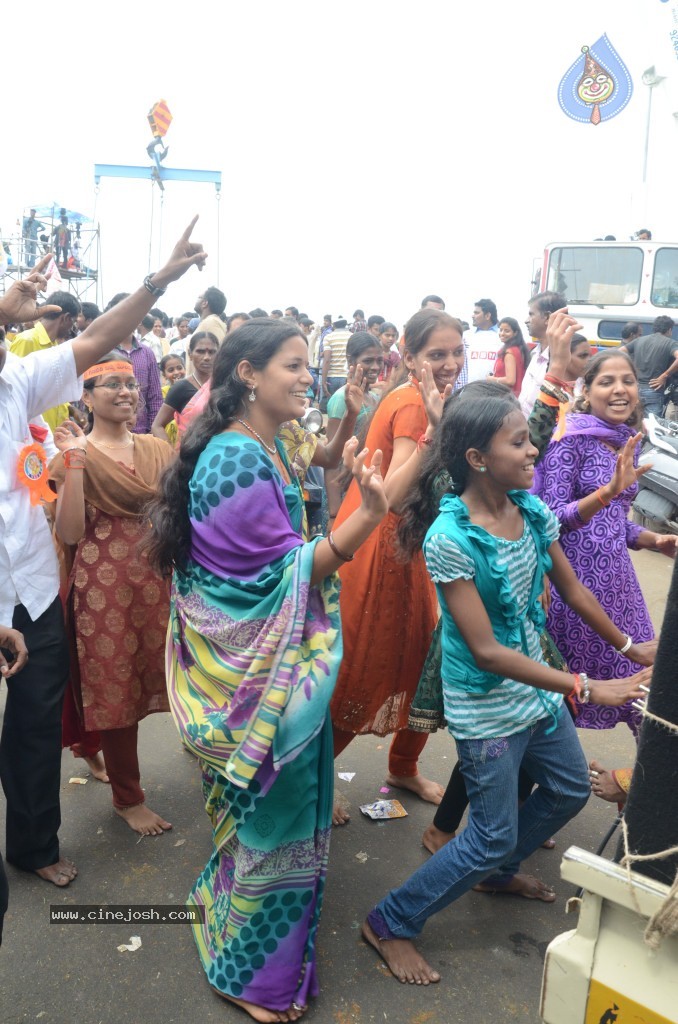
(455, 801)
(30, 745)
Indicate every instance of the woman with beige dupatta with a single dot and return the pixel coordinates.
(116, 606)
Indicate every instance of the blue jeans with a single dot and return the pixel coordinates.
(333, 384)
(498, 835)
(653, 401)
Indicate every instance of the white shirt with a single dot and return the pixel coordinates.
(537, 369)
(156, 345)
(180, 347)
(482, 349)
(313, 341)
(28, 564)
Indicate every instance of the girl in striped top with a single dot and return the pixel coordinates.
(487, 552)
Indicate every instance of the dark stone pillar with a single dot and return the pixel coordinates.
(652, 806)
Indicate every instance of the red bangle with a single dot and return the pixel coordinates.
(80, 460)
(340, 554)
(600, 498)
(566, 384)
(573, 697)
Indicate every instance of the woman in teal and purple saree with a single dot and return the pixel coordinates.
(251, 667)
(253, 649)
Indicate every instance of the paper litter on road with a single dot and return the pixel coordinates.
(362, 857)
(384, 789)
(77, 781)
(384, 809)
(346, 776)
(180, 842)
(134, 944)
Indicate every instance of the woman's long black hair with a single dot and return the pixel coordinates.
(471, 418)
(358, 343)
(257, 341)
(418, 330)
(517, 341)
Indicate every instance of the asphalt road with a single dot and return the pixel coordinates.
(489, 949)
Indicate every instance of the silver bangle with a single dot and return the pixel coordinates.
(627, 646)
(585, 689)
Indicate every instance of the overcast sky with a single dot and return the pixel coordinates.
(372, 151)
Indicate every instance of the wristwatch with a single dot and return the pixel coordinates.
(153, 288)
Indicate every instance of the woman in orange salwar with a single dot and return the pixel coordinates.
(116, 605)
(388, 605)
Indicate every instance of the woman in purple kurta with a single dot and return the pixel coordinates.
(580, 478)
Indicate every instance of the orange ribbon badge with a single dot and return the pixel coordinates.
(32, 472)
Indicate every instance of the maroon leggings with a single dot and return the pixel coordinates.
(119, 747)
(403, 753)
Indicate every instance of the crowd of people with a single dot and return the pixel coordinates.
(471, 569)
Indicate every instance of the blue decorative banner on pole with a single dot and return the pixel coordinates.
(597, 86)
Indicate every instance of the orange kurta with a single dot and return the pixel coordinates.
(388, 606)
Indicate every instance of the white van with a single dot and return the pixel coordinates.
(608, 284)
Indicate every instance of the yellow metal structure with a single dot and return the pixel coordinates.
(603, 972)
(604, 1005)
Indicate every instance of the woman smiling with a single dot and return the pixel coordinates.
(252, 657)
(382, 665)
(589, 478)
(117, 607)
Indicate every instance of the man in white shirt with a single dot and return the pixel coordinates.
(482, 340)
(30, 745)
(539, 310)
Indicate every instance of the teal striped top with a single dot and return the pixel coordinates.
(511, 706)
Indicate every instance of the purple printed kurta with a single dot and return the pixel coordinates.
(572, 468)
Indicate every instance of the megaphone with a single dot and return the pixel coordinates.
(312, 420)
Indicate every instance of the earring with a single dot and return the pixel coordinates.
(253, 396)
(586, 405)
(482, 469)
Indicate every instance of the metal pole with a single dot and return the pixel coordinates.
(218, 198)
(150, 234)
(647, 132)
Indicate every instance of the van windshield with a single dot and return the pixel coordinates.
(597, 275)
(665, 278)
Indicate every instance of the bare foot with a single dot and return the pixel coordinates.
(401, 958)
(260, 1013)
(425, 789)
(97, 768)
(520, 885)
(548, 844)
(604, 785)
(61, 874)
(340, 809)
(143, 820)
(433, 839)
